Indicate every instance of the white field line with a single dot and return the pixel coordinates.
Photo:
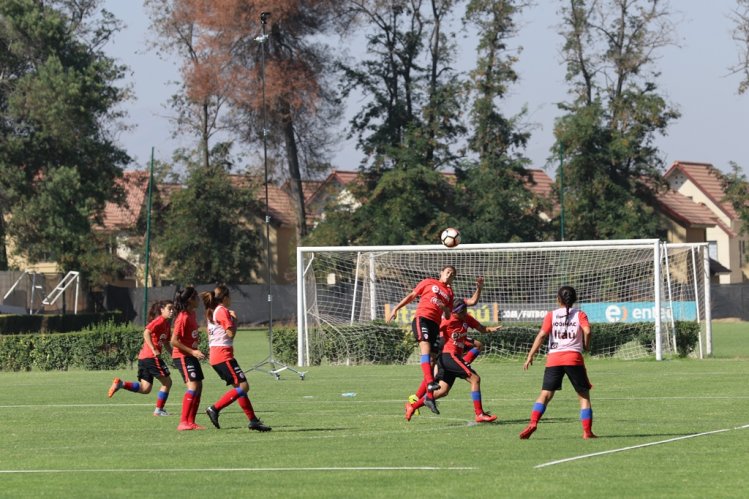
(649, 444)
(229, 470)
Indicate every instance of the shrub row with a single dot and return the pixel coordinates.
(38, 323)
(374, 343)
(380, 343)
(101, 346)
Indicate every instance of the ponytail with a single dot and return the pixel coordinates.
(156, 308)
(181, 298)
(210, 303)
(567, 296)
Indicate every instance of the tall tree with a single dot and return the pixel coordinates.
(208, 232)
(607, 134)
(494, 185)
(298, 94)
(741, 35)
(204, 90)
(736, 188)
(412, 93)
(406, 127)
(58, 96)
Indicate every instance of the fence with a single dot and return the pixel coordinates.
(250, 301)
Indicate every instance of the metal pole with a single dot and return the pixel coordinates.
(561, 190)
(274, 370)
(148, 240)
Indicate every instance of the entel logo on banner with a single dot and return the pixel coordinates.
(639, 311)
(615, 313)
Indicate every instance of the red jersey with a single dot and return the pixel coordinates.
(565, 342)
(455, 331)
(220, 343)
(159, 329)
(186, 332)
(433, 295)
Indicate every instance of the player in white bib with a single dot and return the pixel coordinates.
(567, 333)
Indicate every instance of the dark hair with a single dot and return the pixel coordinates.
(449, 266)
(212, 299)
(209, 302)
(567, 296)
(220, 292)
(460, 307)
(156, 308)
(182, 298)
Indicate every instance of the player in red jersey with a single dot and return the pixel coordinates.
(221, 331)
(567, 331)
(451, 364)
(150, 366)
(435, 300)
(186, 355)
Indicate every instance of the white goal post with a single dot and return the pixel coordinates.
(643, 297)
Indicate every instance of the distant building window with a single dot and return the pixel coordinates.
(712, 249)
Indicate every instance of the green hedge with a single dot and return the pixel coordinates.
(380, 343)
(102, 346)
(372, 343)
(515, 338)
(39, 323)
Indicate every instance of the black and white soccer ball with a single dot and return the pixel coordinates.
(450, 237)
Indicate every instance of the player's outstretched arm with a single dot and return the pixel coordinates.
(473, 300)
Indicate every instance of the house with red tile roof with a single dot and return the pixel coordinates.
(700, 183)
(691, 211)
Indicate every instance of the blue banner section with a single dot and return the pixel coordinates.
(639, 311)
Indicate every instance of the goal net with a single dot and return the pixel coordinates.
(643, 297)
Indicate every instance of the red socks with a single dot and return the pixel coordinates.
(246, 405)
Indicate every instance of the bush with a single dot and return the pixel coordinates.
(102, 346)
(108, 346)
(376, 343)
(15, 353)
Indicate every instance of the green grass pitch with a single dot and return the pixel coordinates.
(676, 428)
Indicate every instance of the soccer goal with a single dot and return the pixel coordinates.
(643, 297)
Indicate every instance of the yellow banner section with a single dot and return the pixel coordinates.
(485, 313)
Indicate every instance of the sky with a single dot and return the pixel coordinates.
(695, 79)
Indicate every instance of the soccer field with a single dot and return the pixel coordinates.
(676, 428)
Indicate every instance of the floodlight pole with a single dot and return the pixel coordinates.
(275, 367)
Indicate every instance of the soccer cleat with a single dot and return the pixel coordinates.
(196, 426)
(410, 411)
(116, 385)
(412, 400)
(257, 425)
(527, 432)
(213, 415)
(433, 386)
(589, 434)
(431, 404)
(185, 427)
(485, 418)
(160, 412)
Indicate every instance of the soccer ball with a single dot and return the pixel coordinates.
(450, 237)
